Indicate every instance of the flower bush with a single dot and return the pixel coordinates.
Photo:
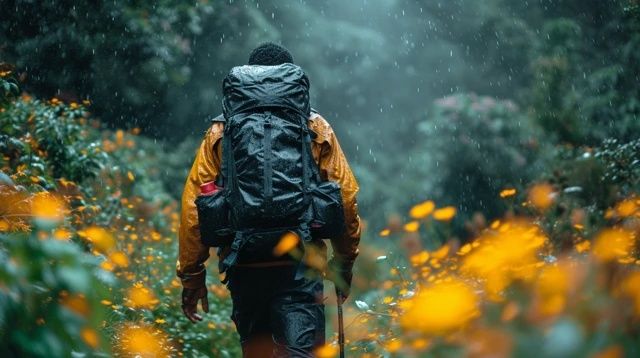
(89, 232)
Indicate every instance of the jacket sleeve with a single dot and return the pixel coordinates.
(191, 252)
(334, 166)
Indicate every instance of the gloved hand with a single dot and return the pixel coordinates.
(341, 273)
(194, 289)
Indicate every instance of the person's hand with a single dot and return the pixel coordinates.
(341, 273)
(194, 290)
(190, 298)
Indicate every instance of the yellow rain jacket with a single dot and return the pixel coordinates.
(333, 166)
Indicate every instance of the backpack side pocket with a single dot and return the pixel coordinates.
(328, 212)
(213, 219)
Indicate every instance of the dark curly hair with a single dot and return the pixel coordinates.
(270, 54)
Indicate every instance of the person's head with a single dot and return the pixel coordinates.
(270, 54)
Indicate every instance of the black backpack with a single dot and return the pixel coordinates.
(270, 181)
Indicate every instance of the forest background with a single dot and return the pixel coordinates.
(482, 108)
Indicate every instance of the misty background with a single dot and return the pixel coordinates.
(445, 100)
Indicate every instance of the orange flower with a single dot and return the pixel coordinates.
(541, 196)
(287, 242)
(90, 337)
(119, 137)
(75, 303)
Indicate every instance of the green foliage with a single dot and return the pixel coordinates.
(577, 75)
(50, 297)
(31, 128)
(621, 162)
(490, 145)
(470, 148)
(8, 85)
(111, 181)
(123, 55)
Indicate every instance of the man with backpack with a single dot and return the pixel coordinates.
(269, 169)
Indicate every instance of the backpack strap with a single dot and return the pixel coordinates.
(220, 180)
(227, 165)
(229, 261)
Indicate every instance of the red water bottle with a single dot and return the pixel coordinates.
(208, 188)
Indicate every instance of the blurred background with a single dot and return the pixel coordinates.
(465, 104)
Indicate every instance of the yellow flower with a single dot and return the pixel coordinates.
(143, 341)
(440, 308)
(90, 337)
(626, 208)
(119, 259)
(507, 193)
(75, 303)
(393, 345)
(441, 253)
(384, 232)
(287, 242)
(100, 238)
(499, 257)
(510, 311)
(583, 246)
(140, 296)
(4, 225)
(422, 210)
(444, 214)
(551, 290)
(46, 206)
(420, 258)
(411, 226)
(326, 351)
(615, 243)
(630, 288)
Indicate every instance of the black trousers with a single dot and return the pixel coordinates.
(275, 314)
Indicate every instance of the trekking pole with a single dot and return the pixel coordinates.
(340, 323)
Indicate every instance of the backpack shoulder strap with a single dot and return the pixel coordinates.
(218, 125)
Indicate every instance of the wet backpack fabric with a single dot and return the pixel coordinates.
(271, 183)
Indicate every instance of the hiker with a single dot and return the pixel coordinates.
(275, 168)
